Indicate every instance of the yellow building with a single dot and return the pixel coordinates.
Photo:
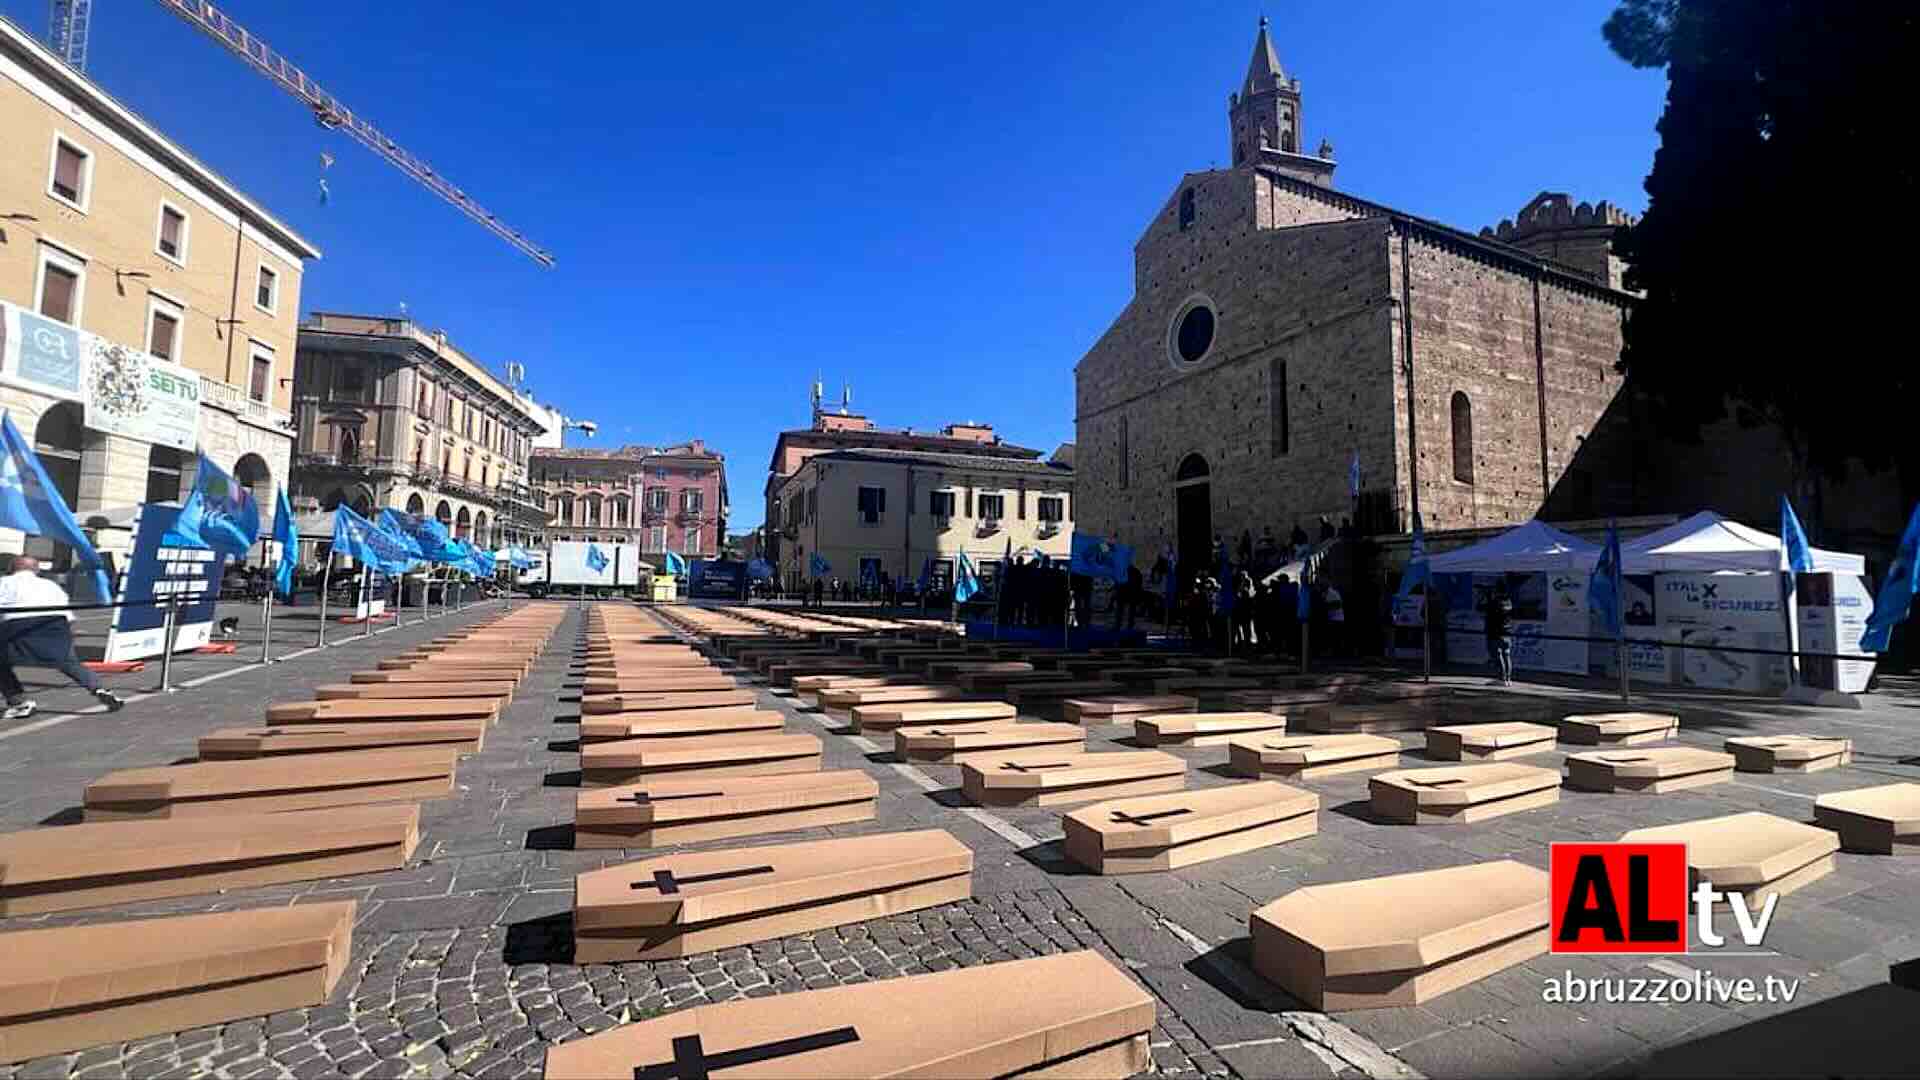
(146, 305)
(870, 512)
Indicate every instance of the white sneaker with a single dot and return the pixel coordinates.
(19, 712)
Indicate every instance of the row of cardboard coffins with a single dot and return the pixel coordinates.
(292, 801)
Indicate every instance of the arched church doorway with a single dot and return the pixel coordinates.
(1193, 512)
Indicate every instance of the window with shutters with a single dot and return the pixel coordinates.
(163, 328)
(940, 503)
(872, 505)
(266, 289)
(260, 384)
(70, 173)
(1053, 509)
(993, 507)
(171, 241)
(60, 286)
(693, 500)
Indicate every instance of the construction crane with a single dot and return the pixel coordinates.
(71, 19)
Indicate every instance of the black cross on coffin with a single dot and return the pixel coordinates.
(1144, 819)
(692, 1062)
(272, 731)
(668, 884)
(1015, 766)
(641, 798)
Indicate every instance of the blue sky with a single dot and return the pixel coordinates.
(935, 203)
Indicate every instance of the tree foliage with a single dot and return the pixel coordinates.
(1778, 249)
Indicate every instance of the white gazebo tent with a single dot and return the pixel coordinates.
(1709, 543)
(1534, 547)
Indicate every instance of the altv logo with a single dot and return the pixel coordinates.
(1633, 898)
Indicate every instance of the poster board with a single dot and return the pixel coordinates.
(1740, 610)
(122, 390)
(161, 566)
(1833, 610)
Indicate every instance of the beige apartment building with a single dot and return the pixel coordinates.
(392, 414)
(147, 307)
(667, 498)
(872, 511)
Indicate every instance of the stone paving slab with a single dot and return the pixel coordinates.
(461, 960)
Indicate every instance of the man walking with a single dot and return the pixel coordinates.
(39, 638)
(1499, 621)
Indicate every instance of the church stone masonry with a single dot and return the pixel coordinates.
(1265, 346)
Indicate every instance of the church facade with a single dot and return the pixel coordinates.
(1288, 343)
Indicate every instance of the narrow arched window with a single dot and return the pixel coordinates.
(1462, 438)
(1186, 209)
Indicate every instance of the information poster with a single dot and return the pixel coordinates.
(122, 390)
(1738, 610)
(1833, 610)
(161, 566)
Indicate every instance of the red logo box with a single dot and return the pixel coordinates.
(1618, 898)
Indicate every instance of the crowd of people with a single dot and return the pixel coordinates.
(1242, 601)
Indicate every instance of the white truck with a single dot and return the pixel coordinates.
(583, 567)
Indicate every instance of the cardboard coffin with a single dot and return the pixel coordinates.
(1166, 832)
(1066, 1015)
(640, 701)
(958, 744)
(1403, 939)
(1883, 820)
(1655, 771)
(677, 723)
(123, 862)
(439, 670)
(1115, 708)
(1752, 853)
(1056, 777)
(808, 688)
(499, 690)
(1203, 729)
(461, 654)
(1371, 718)
(890, 717)
(71, 987)
(1461, 794)
(1309, 757)
(694, 902)
(998, 682)
(1284, 702)
(1789, 753)
(1619, 729)
(1489, 742)
(782, 673)
(746, 753)
(662, 812)
(460, 736)
(1205, 687)
(1141, 678)
(840, 703)
(636, 682)
(345, 711)
(272, 785)
(1052, 693)
(946, 666)
(390, 677)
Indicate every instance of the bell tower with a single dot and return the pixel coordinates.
(1263, 119)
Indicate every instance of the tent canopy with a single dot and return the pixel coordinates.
(1707, 543)
(1533, 547)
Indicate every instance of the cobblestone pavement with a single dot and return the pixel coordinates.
(461, 961)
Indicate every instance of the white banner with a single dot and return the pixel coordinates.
(122, 390)
(1833, 610)
(1736, 610)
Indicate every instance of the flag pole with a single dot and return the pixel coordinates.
(326, 579)
(366, 588)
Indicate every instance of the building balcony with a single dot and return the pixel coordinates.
(231, 399)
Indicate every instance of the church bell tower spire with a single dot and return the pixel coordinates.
(1263, 118)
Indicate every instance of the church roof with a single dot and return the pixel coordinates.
(1263, 71)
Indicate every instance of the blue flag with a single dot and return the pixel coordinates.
(1303, 597)
(1604, 586)
(1353, 476)
(482, 563)
(816, 566)
(424, 537)
(1101, 558)
(1890, 607)
(676, 565)
(516, 556)
(1418, 571)
(289, 542)
(219, 513)
(367, 543)
(1794, 539)
(30, 503)
(966, 582)
(926, 575)
(597, 559)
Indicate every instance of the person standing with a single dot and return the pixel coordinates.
(39, 638)
(1499, 620)
(1336, 620)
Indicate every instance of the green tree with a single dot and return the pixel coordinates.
(1778, 250)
